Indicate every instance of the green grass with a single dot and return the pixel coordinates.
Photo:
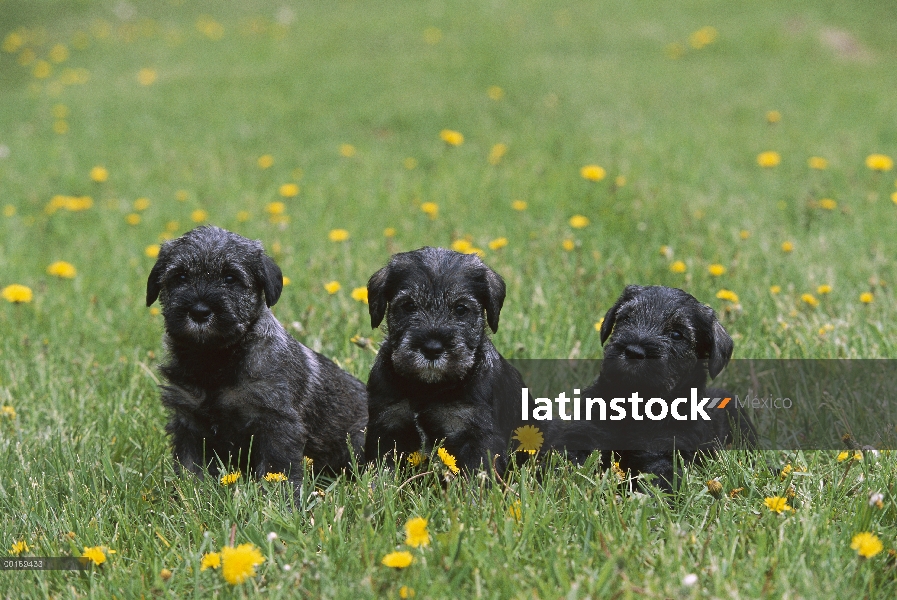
(586, 82)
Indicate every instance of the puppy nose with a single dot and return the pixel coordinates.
(432, 348)
(634, 351)
(200, 312)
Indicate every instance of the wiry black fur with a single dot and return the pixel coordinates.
(235, 376)
(644, 355)
(465, 394)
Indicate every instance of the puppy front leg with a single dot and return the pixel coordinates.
(280, 449)
(186, 448)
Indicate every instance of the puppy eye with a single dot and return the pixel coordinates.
(676, 335)
(408, 306)
(461, 310)
(181, 277)
(229, 279)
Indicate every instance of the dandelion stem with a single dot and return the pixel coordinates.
(412, 478)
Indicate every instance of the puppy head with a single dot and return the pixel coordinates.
(213, 285)
(669, 326)
(440, 303)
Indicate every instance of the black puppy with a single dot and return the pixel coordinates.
(236, 378)
(661, 343)
(437, 376)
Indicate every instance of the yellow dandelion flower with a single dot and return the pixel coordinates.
(775, 289)
(238, 564)
(809, 299)
(451, 137)
(432, 35)
(716, 269)
(9, 210)
(347, 150)
(410, 163)
(13, 42)
(8, 412)
(141, 204)
(521, 205)
(99, 174)
(389, 232)
(598, 324)
(338, 235)
(867, 297)
(568, 245)
(824, 289)
(678, 267)
(498, 243)
(406, 592)
(879, 162)
(530, 438)
(416, 458)
(289, 190)
(715, 488)
(514, 511)
(242, 216)
(230, 478)
(165, 574)
(817, 162)
(448, 460)
(19, 547)
(497, 152)
(265, 161)
(275, 477)
(828, 204)
(620, 181)
(360, 294)
(431, 209)
(276, 208)
(786, 471)
(769, 159)
(495, 93)
(397, 560)
(702, 37)
(461, 245)
(286, 280)
(416, 534)
(199, 216)
(16, 293)
(592, 172)
(147, 76)
(95, 554)
(893, 199)
(61, 127)
(674, 50)
(727, 295)
(773, 116)
(182, 195)
(62, 269)
(42, 69)
(744, 234)
(132, 219)
(332, 287)
(787, 247)
(857, 455)
(308, 461)
(154, 311)
(579, 222)
(777, 504)
(866, 544)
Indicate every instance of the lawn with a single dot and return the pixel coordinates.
(122, 125)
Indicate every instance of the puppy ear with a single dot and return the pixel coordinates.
(154, 282)
(272, 279)
(721, 348)
(377, 299)
(610, 317)
(495, 297)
